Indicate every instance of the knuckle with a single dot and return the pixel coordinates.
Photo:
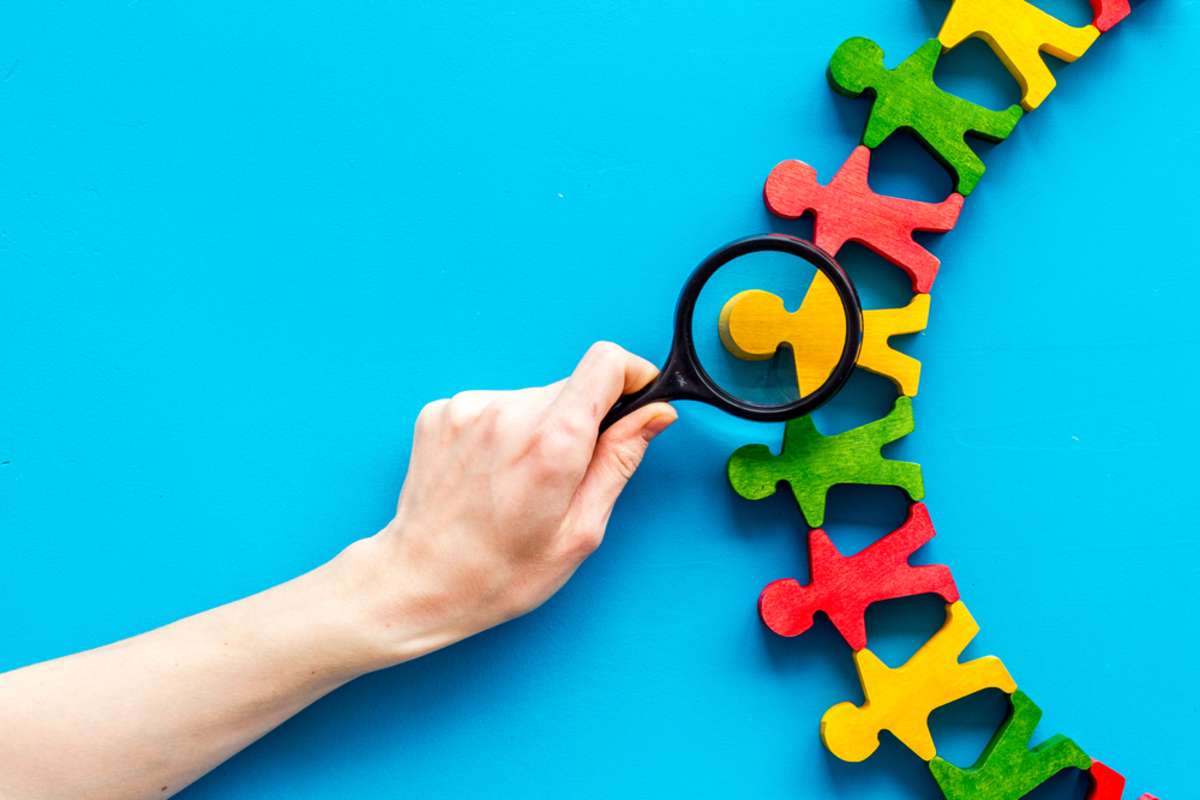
(587, 541)
(430, 414)
(626, 459)
(553, 448)
(460, 411)
(576, 426)
(606, 352)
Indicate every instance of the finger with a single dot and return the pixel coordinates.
(605, 372)
(618, 454)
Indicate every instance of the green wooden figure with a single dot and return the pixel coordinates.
(1008, 768)
(812, 463)
(907, 97)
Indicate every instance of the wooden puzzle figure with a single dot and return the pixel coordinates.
(1107, 13)
(907, 97)
(900, 700)
(848, 210)
(812, 463)
(1008, 768)
(843, 587)
(754, 324)
(1018, 32)
(1108, 784)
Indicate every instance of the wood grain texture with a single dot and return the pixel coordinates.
(1018, 32)
(1108, 784)
(906, 97)
(1008, 768)
(812, 463)
(843, 587)
(901, 699)
(848, 210)
(1107, 13)
(754, 324)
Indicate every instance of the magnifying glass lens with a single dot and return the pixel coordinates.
(769, 328)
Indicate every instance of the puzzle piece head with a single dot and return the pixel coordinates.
(783, 608)
(848, 733)
(857, 65)
(751, 322)
(792, 189)
(755, 475)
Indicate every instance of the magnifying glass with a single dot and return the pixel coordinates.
(774, 394)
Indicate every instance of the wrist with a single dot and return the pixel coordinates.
(393, 606)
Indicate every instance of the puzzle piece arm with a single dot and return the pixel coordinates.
(879, 325)
(913, 733)
(921, 64)
(995, 126)
(878, 129)
(952, 638)
(897, 546)
(1108, 784)
(1107, 13)
(1063, 41)
(987, 672)
(936, 217)
(896, 425)
(956, 156)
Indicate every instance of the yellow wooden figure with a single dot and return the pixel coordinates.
(754, 324)
(1017, 31)
(900, 700)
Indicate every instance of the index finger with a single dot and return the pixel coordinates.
(605, 372)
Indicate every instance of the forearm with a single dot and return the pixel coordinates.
(146, 716)
(507, 493)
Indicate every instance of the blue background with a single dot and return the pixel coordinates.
(242, 243)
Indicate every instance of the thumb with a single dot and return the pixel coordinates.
(617, 456)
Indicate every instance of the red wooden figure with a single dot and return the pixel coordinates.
(1107, 784)
(1107, 13)
(842, 587)
(848, 210)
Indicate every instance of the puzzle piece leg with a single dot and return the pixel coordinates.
(1107, 783)
(1017, 32)
(1062, 41)
(1008, 768)
(879, 357)
(1108, 13)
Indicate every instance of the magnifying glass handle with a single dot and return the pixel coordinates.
(657, 389)
(674, 382)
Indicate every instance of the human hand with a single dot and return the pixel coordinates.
(507, 493)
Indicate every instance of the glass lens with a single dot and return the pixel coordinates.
(769, 328)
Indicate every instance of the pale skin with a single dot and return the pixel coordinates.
(506, 494)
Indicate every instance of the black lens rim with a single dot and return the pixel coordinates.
(683, 348)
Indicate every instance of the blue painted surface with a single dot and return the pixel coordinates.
(242, 243)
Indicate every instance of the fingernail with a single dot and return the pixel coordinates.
(658, 423)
